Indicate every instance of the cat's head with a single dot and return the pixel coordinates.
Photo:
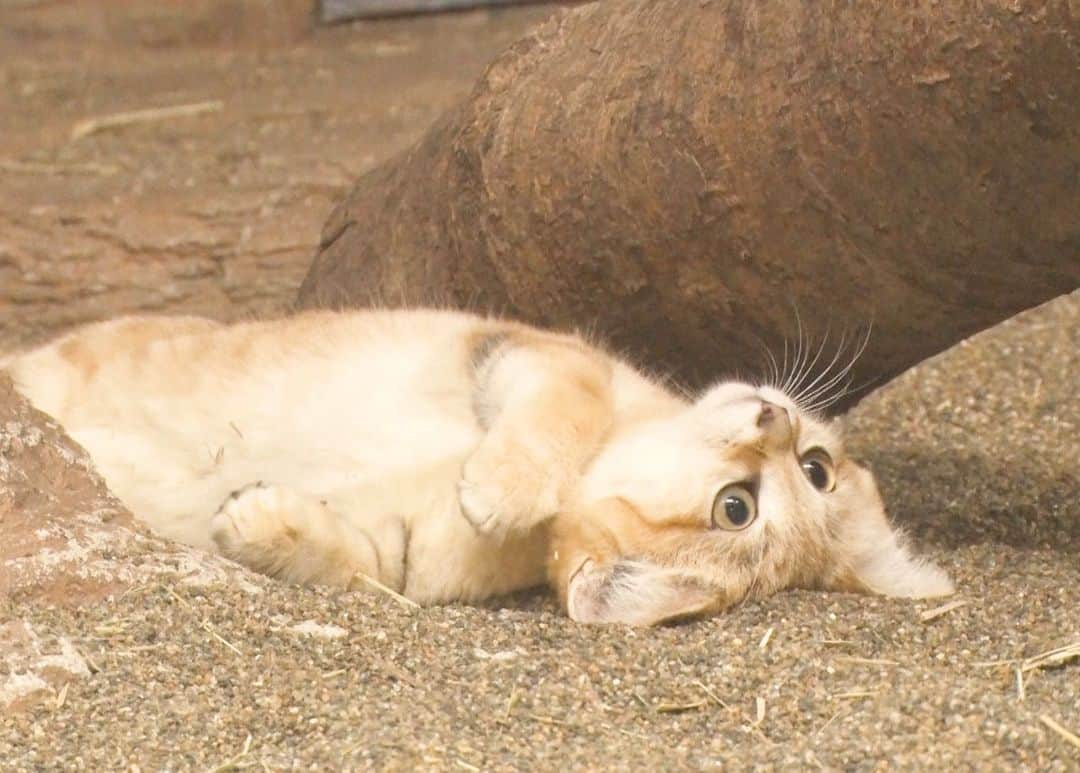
(739, 496)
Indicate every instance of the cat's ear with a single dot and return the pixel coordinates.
(880, 561)
(635, 592)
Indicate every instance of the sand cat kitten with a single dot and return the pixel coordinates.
(453, 457)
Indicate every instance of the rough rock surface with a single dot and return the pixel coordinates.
(678, 176)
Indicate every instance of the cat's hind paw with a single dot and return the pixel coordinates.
(290, 535)
(252, 515)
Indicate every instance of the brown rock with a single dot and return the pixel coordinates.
(683, 175)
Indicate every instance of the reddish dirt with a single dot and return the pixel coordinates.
(217, 213)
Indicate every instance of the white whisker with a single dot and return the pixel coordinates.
(832, 377)
(772, 369)
(849, 390)
(797, 358)
(784, 371)
(810, 369)
(828, 400)
(804, 350)
(814, 387)
(838, 378)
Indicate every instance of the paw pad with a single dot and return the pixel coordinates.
(250, 514)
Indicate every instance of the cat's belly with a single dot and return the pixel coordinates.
(441, 558)
(449, 561)
(176, 481)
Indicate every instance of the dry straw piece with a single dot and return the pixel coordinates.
(1068, 736)
(234, 762)
(1052, 658)
(866, 661)
(90, 126)
(944, 609)
(205, 624)
(1059, 656)
(372, 582)
(705, 689)
(853, 695)
(679, 708)
(39, 167)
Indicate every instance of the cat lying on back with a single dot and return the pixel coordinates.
(452, 457)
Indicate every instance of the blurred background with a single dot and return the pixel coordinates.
(182, 157)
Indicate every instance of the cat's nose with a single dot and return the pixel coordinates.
(774, 422)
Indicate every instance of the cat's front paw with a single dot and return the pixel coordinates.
(252, 515)
(503, 495)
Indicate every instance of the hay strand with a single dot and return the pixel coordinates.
(1067, 735)
(373, 583)
(944, 609)
(1058, 656)
(679, 708)
(866, 661)
(90, 126)
(233, 763)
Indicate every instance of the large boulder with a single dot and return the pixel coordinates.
(696, 179)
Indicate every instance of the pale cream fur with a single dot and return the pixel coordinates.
(453, 457)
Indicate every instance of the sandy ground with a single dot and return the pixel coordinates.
(976, 452)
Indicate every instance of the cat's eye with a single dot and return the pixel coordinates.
(734, 508)
(818, 468)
